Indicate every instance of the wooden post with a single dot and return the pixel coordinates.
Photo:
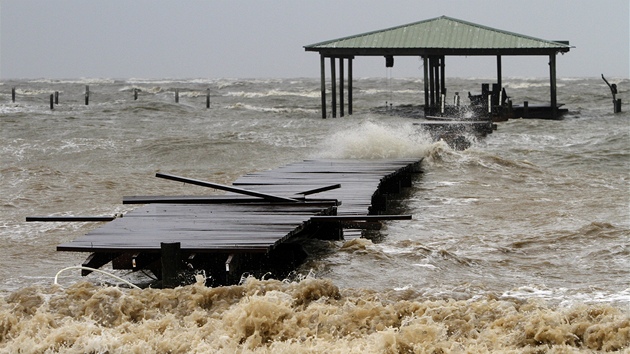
(552, 77)
(56, 97)
(425, 62)
(135, 94)
(442, 77)
(52, 101)
(176, 95)
(333, 78)
(171, 259)
(499, 74)
(525, 108)
(350, 85)
(436, 68)
(87, 95)
(618, 105)
(208, 98)
(431, 83)
(322, 72)
(13, 95)
(341, 94)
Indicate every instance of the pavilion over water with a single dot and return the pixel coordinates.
(432, 40)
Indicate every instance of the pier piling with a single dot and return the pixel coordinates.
(87, 95)
(171, 258)
(52, 101)
(208, 98)
(13, 95)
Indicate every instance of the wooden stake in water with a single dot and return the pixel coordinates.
(87, 95)
(176, 95)
(52, 102)
(135, 94)
(208, 98)
(56, 97)
(13, 95)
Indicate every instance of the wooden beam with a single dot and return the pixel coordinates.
(70, 218)
(197, 182)
(325, 218)
(319, 190)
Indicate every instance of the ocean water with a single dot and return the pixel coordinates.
(519, 244)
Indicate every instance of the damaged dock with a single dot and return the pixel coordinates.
(254, 228)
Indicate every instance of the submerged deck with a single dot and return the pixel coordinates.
(315, 197)
(234, 223)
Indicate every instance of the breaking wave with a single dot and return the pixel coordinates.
(294, 317)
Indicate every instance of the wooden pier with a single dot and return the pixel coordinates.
(255, 227)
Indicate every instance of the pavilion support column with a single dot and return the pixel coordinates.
(499, 74)
(350, 85)
(333, 79)
(442, 75)
(436, 90)
(431, 83)
(322, 64)
(341, 93)
(425, 64)
(552, 79)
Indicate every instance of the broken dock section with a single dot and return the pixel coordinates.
(254, 228)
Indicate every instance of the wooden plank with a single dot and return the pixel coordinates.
(70, 218)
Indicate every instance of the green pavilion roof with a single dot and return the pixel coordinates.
(439, 36)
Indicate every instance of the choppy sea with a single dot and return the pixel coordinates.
(519, 244)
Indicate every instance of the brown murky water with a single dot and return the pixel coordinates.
(519, 244)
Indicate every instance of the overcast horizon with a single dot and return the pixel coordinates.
(144, 39)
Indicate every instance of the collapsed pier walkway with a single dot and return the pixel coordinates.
(254, 224)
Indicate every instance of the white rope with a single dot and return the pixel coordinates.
(95, 270)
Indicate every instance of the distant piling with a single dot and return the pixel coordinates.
(176, 95)
(87, 95)
(56, 97)
(208, 98)
(135, 94)
(13, 95)
(52, 101)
